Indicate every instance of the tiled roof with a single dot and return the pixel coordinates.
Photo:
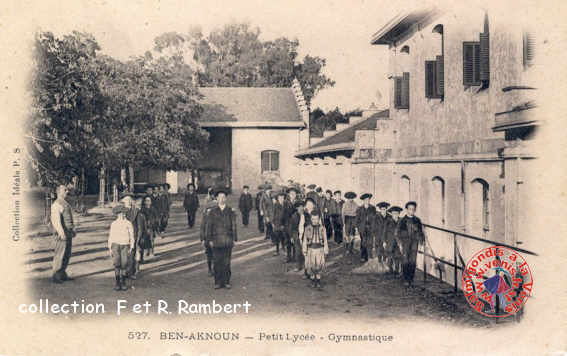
(243, 106)
(344, 140)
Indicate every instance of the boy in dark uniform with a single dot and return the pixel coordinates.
(327, 208)
(393, 253)
(319, 201)
(381, 223)
(279, 222)
(336, 216)
(410, 236)
(166, 206)
(348, 213)
(245, 205)
(209, 205)
(365, 217)
(311, 194)
(191, 204)
(257, 205)
(297, 219)
(221, 236)
(267, 211)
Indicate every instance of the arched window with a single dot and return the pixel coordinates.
(479, 207)
(437, 201)
(405, 189)
(270, 161)
(405, 49)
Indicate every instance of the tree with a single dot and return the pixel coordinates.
(235, 56)
(95, 111)
(66, 101)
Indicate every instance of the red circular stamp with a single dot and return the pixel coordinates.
(497, 282)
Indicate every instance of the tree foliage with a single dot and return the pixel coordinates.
(234, 55)
(319, 121)
(91, 110)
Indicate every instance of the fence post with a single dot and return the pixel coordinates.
(455, 262)
(424, 266)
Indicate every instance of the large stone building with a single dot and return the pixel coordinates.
(458, 138)
(254, 133)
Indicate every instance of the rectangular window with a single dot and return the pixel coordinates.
(431, 79)
(471, 63)
(270, 161)
(401, 91)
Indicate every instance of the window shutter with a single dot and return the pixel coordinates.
(430, 72)
(265, 161)
(275, 162)
(529, 50)
(471, 63)
(484, 57)
(397, 92)
(405, 91)
(440, 71)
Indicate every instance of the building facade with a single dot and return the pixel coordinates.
(459, 138)
(253, 135)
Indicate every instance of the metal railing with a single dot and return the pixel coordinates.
(456, 253)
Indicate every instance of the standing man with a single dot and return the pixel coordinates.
(320, 199)
(410, 236)
(257, 204)
(210, 203)
(327, 208)
(245, 204)
(348, 212)
(267, 211)
(279, 224)
(221, 235)
(137, 220)
(365, 217)
(311, 194)
(295, 220)
(336, 216)
(166, 206)
(191, 204)
(381, 224)
(392, 249)
(157, 203)
(62, 222)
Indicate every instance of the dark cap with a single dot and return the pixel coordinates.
(292, 189)
(328, 191)
(219, 190)
(383, 204)
(311, 186)
(315, 212)
(337, 192)
(298, 204)
(311, 200)
(411, 203)
(350, 195)
(395, 208)
(246, 187)
(120, 208)
(365, 196)
(319, 189)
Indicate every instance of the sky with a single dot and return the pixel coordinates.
(338, 31)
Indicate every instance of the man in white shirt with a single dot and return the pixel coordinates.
(120, 243)
(62, 222)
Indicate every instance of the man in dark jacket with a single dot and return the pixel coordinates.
(312, 194)
(166, 202)
(267, 211)
(257, 205)
(210, 203)
(327, 210)
(245, 205)
(393, 253)
(191, 204)
(365, 217)
(381, 224)
(410, 235)
(138, 222)
(221, 235)
(336, 216)
(279, 222)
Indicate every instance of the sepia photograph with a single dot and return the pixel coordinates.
(283, 178)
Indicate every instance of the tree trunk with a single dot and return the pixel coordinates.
(102, 188)
(123, 177)
(131, 173)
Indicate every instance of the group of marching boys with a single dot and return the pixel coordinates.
(300, 220)
(304, 221)
(139, 221)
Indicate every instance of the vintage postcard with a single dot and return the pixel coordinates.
(283, 177)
